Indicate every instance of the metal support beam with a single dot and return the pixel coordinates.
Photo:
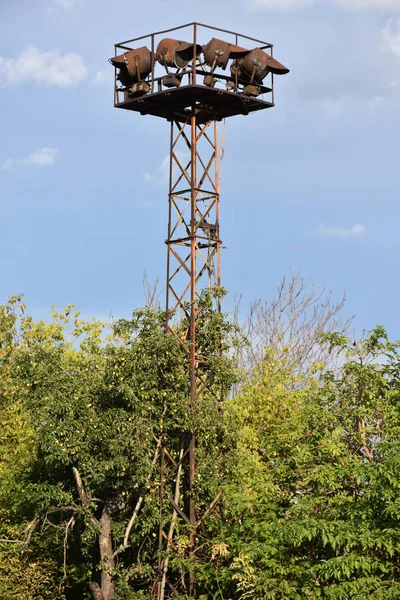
(193, 265)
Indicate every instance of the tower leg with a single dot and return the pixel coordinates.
(193, 265)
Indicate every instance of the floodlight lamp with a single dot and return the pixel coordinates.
(134, 65)
(175, 53)
(256, 65)
(217, 53)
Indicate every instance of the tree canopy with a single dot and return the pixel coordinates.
(297, 474)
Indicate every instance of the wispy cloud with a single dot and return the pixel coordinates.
(101, 77)
(49, 68)
(280, 4)
(348, 104)
(390, 37)
(332, 231)
(161, 175)
(46, 157)
(67, 4)
(144, 203)
(383, 5)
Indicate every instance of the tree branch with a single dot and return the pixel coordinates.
(140, 499)
(70, 524)
(29, 530)
(80, 487)
(209, 509)
(367, 451)
(165, 562)
(291, 325)
(84, 498)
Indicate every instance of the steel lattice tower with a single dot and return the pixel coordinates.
(193, 99)
(193, 263)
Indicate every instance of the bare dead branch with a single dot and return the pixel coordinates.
(140, 499)
(165, 562)
(68, 526)
(28, 530)
(57, 509)
(150, 290)
(80, 487)
(51, 511)
(209, 508)
(84, 498)
(291, 325)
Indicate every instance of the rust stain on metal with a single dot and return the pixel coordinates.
(174, 53)
(257, 64)
(217, 52)
(133, 65)
(209, 81)
(171, 81)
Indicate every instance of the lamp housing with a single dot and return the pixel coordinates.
(175, 53)
(256, 65)
(133, 65)
(217, 53)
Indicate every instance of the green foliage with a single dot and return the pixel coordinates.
(297, 477)
(319, 514)
(84, 400)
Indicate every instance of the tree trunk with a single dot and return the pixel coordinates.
(96, 591)
(107, 589)
(106, 556)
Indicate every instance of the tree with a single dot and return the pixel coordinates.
(96, 407)
(318, 514)
(291, 325)
(21, 576)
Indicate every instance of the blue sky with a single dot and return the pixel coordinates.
(312, 184)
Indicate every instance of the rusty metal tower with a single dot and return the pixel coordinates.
(186, 83)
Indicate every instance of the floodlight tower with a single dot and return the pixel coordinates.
(181, 82)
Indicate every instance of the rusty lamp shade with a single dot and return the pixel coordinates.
(174, 53)
(217, 53)
(256, 65)
(133, 65)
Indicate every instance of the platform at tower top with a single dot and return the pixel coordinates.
(155, 94)
(177, 104)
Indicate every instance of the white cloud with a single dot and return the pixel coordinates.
(280, 4)
(144, 203)
(390, 37)
(375, 4)
(67, 4)
(101, 77)
(384, 5)
(377, 103)
(51, 68)
(333, 108)
(46, 157)
(331, 231)
(161, 174)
